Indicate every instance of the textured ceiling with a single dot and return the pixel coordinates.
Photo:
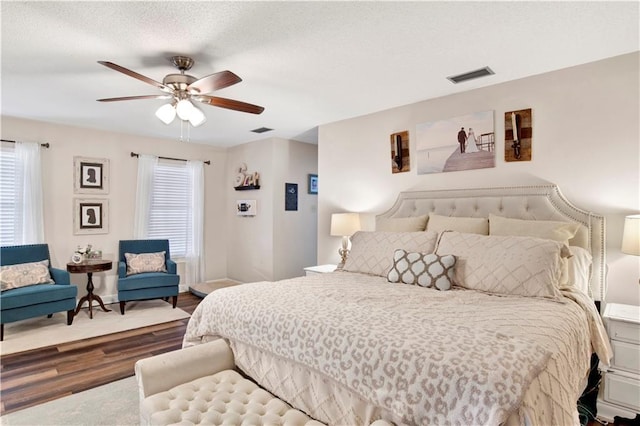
(307, 63)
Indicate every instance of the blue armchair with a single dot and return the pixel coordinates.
(146, 285)
(35, 300)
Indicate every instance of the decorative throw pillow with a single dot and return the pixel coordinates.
(426, 270)
(522, 266)
(578, 271)
(549, 229)
(402, 224)
(470, 225)
(372, 252)
(145, 262)
(24, 274)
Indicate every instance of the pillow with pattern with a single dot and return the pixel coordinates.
(372, 252)
(522, 266)
(137, 263)
(426, 270)
(24, 274)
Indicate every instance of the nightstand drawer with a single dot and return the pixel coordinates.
(626, 356)
(622, 390)
(624, 331)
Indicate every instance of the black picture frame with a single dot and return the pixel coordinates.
(312, 184)
(91, 176)
(90, 216)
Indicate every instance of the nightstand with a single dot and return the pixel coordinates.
(620, 387)
(320, 269)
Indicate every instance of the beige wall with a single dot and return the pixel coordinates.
(585, 139)
(275, 244)
(57, 164)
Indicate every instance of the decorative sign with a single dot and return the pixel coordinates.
(291, 196)
(246, 207)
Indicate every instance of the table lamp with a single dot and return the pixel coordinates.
(344, 225)
(631, 235)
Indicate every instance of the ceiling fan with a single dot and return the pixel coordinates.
(181, 89)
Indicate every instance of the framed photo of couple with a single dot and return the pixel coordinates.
(90, 175)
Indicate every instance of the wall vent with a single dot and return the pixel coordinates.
(261, 130)
(482, 72)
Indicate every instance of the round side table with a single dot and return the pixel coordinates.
(89, 266)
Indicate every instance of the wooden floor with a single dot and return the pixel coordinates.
(33, 377)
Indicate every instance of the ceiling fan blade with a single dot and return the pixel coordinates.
(133, 98)
(230, 104)
(212, 82)
(134, 74)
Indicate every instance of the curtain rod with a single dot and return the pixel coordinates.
(45, 145)
(133, 154)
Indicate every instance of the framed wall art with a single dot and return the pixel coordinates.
(291, 196)
(400, 159)
(518, 135)
(90, 216)
(312, 184)
(90, 175)
(466, 142)
(246, 207)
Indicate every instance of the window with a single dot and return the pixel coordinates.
(170, 211)
(8, 202)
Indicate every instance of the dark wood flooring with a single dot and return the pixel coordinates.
(33, 377)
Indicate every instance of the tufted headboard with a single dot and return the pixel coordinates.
(544, 202)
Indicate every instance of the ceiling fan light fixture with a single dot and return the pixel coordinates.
(166, 113)
(184, 108)
(196, 116)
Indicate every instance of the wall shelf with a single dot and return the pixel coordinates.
(246, 187)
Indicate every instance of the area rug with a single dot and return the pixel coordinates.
(42, 331)
(113, 404)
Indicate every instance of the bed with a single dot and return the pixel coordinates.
(487, 316)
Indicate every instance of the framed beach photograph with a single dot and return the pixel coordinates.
(312, 184)
(90, 216)
(90, 175)
(466, 142)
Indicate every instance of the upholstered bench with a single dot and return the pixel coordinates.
(198, 385)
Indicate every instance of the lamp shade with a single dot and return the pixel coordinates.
(196, 117)
(183, 108)
(166, 113)
(345, 224)
(631, 235)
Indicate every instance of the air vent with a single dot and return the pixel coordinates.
(261, 130)
(482, 72)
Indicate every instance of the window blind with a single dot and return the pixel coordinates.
(8, 189)
(169, 212)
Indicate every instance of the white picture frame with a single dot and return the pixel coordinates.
(246, 207)
(90, 216)
(90, 175)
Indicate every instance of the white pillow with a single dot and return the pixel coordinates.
(578, 270)
(470, 225)
(549, 229)
(514, 265)
(402, 224)
(425, 270)
(372, 252)
(24, 274)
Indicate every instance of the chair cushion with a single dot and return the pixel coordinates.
(222, 398)
(24, 274)
(32, 295)
(148, 280)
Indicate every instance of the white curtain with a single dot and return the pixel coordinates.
(194, 268)
(29, 225)
(146, 173)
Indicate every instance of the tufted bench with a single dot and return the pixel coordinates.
(198, 385)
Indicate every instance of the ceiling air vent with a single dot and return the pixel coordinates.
(261, 130)
(482, 72)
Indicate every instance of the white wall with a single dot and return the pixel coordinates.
(275, 244)
(586, 140)
(57, 167)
